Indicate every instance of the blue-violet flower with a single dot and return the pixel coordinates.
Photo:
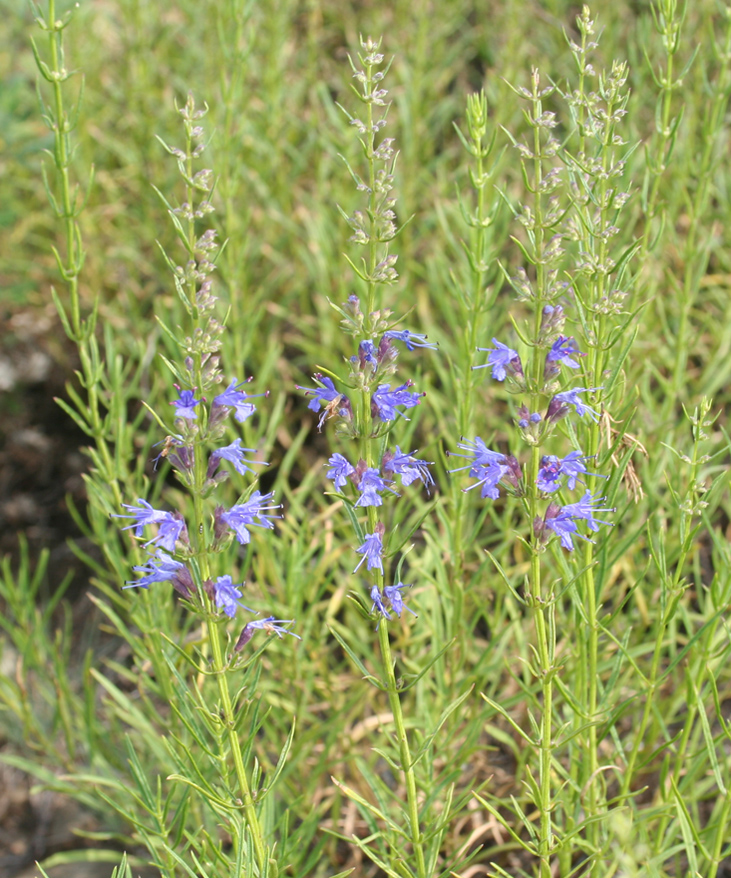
(370, 484)
(243, 515)
(234, 453)
(340, 469)
(560, 353)
(235, 398)
(371, 550)
(162, 568)
(333, 401)
(185, 405)
(227, 596)
(385, 400)
(393, 594)
(143, 514)
(171, 526)
(412, 340)
(378, 604)
(552, 468)
(504, 361)
(562, 519)
(558, 407)
(408, 467)
(271, 625)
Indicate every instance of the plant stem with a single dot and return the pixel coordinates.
(404, 750)
(542, 611)
(474, 302)
(201, 543)
(229, 722)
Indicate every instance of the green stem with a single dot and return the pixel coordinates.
(61, 155)
(658, 165)
(229, 721)
(475, 305)
(82, 332)
(412, 803)
(200, 543)
(542, 611)
(589, 650)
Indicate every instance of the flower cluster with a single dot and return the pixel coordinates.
(370, 483)
(392, 598)
(492, 470)
(506, 363)
(198, 427)
(368, 368)
(368, 402)
(172, 533)
(368, 479)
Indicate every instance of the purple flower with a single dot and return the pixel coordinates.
(378, 603)
(558, 406)
(561, 352)
(385, 400)
(370, 484)
(412, 340)
(585, 508)
(185, 405)
(480, 455)
(168, 532)
(504, 361)
(408, 467)
(367, 354)
(340, 469)
(562, 519)
(549, 472)
(271, 625)
(170, 525)
(235, 398)
(227, 596)
(234, 453)
(393, 594)
(487, 466)
(489, 478)
(573, 467)
(552, 468)
(143, 515)
(371, 551)
(162, 568)
(333, 401)
(243, 515)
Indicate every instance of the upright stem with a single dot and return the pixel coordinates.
(229, 721)
(368, 450)
(545, 644)
(62, 156)
(201, 542)
(542, 609)
(600, 212)
(79, 330)
(412, 802)
(474, 303)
